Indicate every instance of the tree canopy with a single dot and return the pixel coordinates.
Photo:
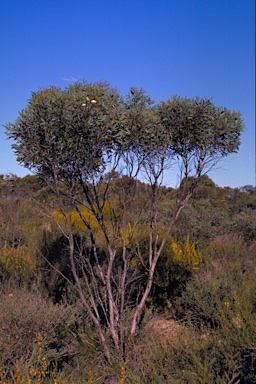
(73, 132)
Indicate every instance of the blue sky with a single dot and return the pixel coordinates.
(167, 47)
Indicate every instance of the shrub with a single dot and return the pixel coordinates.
(175, 267)
(19, 263)
(174, 352)
(24, 314)
(223, 295)
(186, 256)
(223, 273)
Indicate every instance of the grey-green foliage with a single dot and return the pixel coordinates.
(65, 133)
(72, 132)
(244, 223)
(24, 314)
(199, 131)
(199, 123)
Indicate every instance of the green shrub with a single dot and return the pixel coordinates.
(23, 315)
(223, 296)
(172, 352)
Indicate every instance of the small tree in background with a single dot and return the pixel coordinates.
(75, 139)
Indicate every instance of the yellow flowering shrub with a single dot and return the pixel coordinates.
(175, 267)
(128, 234)
(18, 261)
(76, 219)
(186, 256)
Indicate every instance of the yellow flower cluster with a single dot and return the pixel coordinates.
(127, 234)
(76, 220)
(123, 373)
(37, 372)
(238, 308)
(186, 256)
(20, 261)
(234, 311)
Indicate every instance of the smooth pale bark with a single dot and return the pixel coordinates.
(156, 254)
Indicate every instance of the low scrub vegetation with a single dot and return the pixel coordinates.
(198, 324)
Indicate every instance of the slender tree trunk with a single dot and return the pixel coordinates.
(157, 254)
(95, 320)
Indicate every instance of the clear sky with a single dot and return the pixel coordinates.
(189, 48)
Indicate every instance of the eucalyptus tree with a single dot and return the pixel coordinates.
(75, 139)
